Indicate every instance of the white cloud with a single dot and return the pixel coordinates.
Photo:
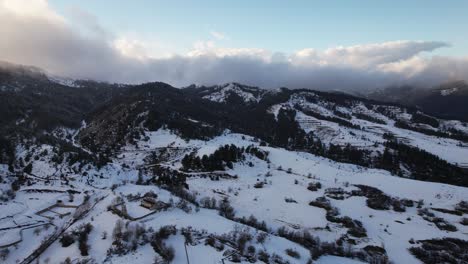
(368, 55)
(35, 35)
(132, 48)
(30, 8)
(89, 23)
(218, 35)
(209, 48)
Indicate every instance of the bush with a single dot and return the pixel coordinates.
(253, 222)
(425, 119)
(184, 206)
(243, 238)
(208, 202)
(167, 252)
(83, 239)
(226, 210)
(398, 206)
(357, 231)
(15, 185)
(335, 193)
(464, 221)
(259, 185)
(439, 222)
(314, 186)
(462, 206)
(445, 250)
(278, 259)
(263, 256)
(4, 253)
(261, 237)
(67, 239)
(293, 253)
(28, 168)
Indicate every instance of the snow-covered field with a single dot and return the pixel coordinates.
(282, 201)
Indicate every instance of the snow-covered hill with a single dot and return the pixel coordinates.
(277, 191)
(374, 122)
(230, 174)
(446, 100)
(222, 93)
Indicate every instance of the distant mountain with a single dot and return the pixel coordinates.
(449, 101)
(446, 101)
(31, 98)
(228, 91)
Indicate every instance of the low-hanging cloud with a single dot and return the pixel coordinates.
(42, 38)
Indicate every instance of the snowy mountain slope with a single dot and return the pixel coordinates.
(226, 174)
(282, 201)
(447, 101)
(222, 93)
(372, 126)
(269, 202)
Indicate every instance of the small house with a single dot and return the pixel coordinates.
(149, 203)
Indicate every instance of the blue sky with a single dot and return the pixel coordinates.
(284, 26)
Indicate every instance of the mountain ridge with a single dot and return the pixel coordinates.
(105, 173)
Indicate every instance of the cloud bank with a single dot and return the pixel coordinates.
(33, 34)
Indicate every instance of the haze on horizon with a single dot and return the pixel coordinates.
(305, 44)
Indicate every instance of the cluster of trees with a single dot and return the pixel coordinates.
(7, 151)
(454, 134)
(340, 121)
(444, 250)
(83, 239)
(158, 244)
(457, 135)
(369, 118)
(348, 154)
(223, 157)
(169, 178)
(423, 165)
(342, 114)
(81, 234)
(254, 222)
(318, 248)
(183, 126)
(4, 254)
(439, 222)
(286, 132)
(64, 151)
(385, 111)
(260, 154)
(304, 238)
(226, 210)
(241, 246)
(424, 119)
(126, 237)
